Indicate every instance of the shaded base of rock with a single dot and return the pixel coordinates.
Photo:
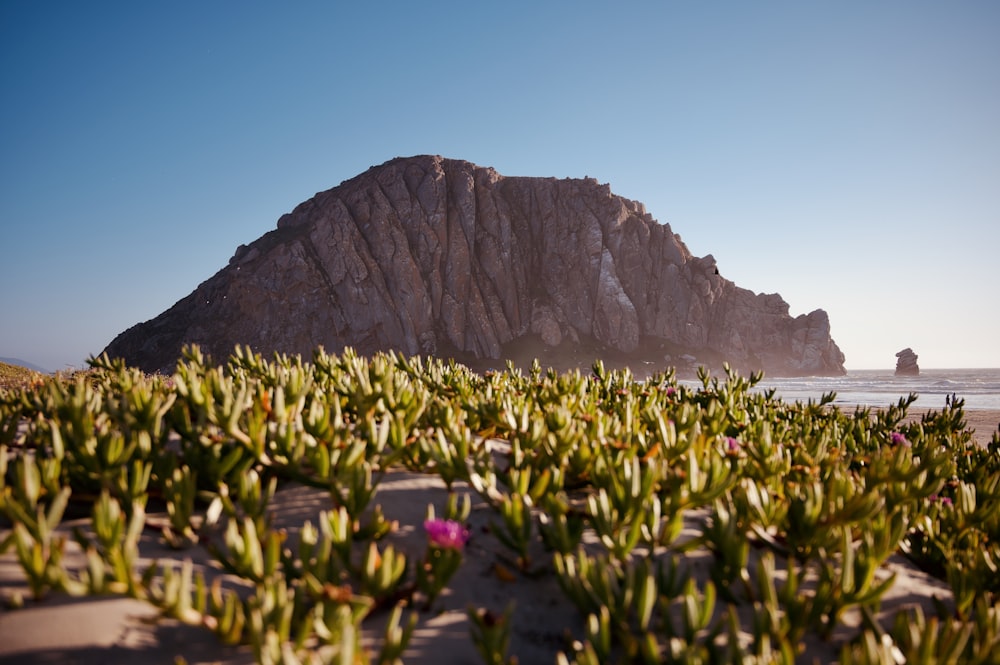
(651, 356)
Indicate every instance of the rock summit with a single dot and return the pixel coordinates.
(436, 256)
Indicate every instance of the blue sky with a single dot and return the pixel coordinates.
(843, 154)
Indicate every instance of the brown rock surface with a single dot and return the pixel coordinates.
(906, 363)
(437, 256)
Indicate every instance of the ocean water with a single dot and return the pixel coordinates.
(980, 388)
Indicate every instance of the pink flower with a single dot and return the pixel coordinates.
(898, 439)
(446, 534)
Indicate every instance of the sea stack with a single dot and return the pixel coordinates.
(906, 363)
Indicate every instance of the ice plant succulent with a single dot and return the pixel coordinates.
(822, 496)
(446, 534)
(445, 543)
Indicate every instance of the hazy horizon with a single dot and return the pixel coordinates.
(845, 156)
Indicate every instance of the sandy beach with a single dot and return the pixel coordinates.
(985, 423)
(118, 631)
(114, 630)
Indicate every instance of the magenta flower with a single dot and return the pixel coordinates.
(899, 440)
(446, 534)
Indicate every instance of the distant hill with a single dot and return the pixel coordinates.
(13, 375)
(25, 364)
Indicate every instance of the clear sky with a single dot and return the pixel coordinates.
(843, 154)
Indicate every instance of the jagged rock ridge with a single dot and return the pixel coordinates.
(437, 256)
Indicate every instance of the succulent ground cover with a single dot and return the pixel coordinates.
(591, 479)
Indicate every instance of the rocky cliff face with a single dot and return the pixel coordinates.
(436, 256)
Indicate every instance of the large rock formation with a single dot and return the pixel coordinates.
(437, 256)
(906, 363)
